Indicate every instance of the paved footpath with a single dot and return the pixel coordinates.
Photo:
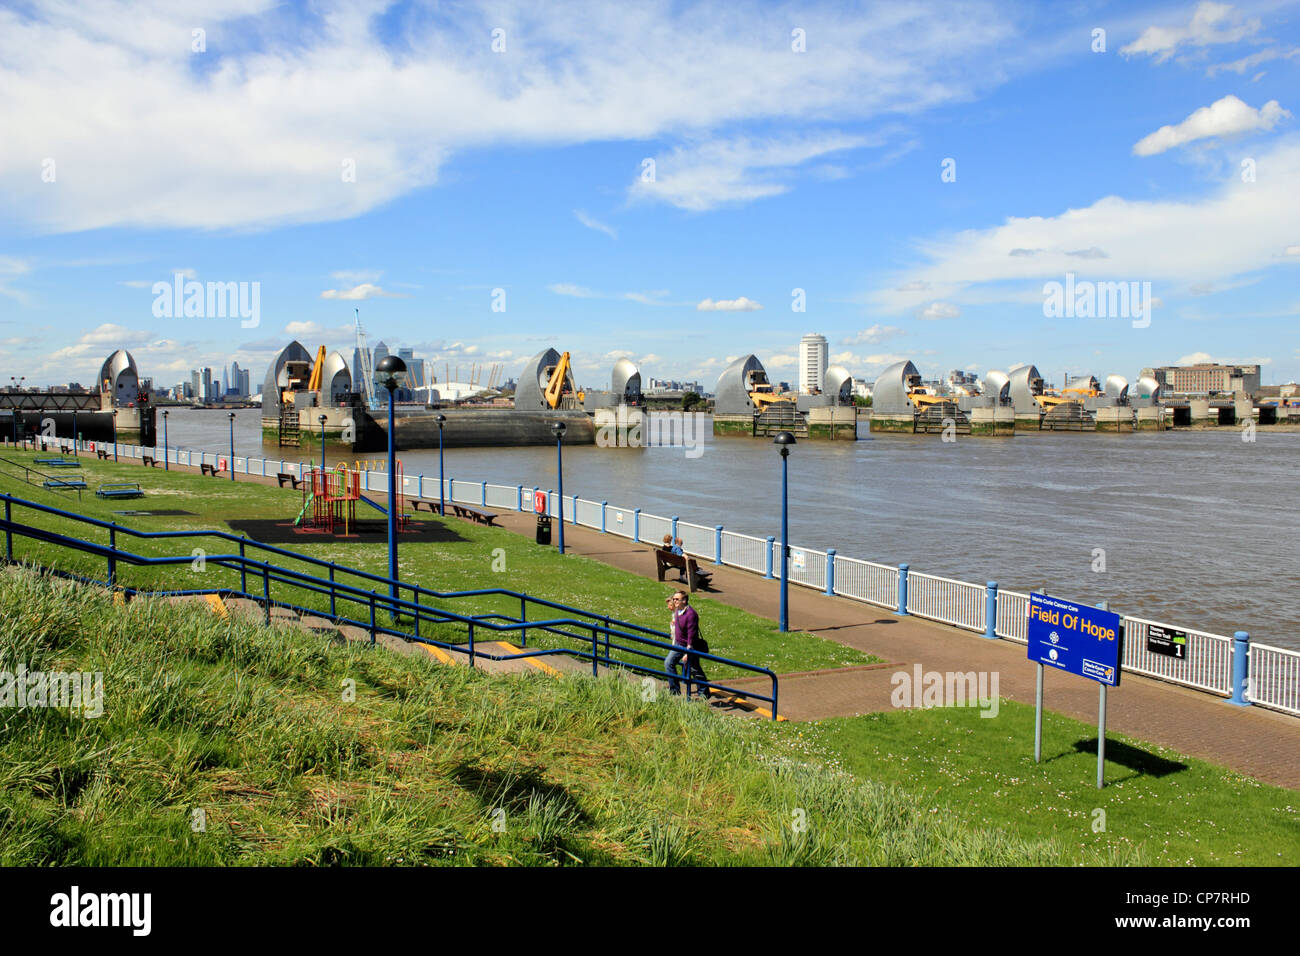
(1264, 744)
(1261, 743)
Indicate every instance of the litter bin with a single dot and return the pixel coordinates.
(543, 529)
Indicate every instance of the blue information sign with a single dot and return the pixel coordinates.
(1075, 638)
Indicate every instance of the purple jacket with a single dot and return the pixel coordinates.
(686, 627)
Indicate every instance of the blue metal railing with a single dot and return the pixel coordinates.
(601, 638)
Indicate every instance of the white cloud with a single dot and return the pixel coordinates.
(877, 333)
(1203, 358)
(303, 328)
(365, 290)
(939, 310)
(704, 176)
(647, 298)
(1211, 23)
(919, 285)
(1291, 251)
(1246, 62)
(261, 131)
(866, 363)
(576, 291)
(1149, 240)
(357, 275)
(728, 305)
(1225, 117)
(781, 361)
(593, 224)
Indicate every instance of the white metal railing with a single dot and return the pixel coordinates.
(588, 513)
(744, 551)
(697, 540)
(1207, 666)
(1274, 672)
(1012, 616)
(1274, 678)
(653, 529)
(866, 581)
(500, 496)
(805, 566)
(943, 599)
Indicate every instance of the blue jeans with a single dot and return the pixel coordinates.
(670, 665)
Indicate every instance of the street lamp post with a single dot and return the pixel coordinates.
(785, 440)
(391, 369)
(166, 444)
(322, 443)
(232, 446)
(558, 428)
(442, 505)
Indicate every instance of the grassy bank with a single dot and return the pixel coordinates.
(477, 557)
(222, 742)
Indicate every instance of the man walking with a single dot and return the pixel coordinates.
(686, 635)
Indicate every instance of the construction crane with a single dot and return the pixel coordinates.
(367, 370)
(561, 382)
(317, 371)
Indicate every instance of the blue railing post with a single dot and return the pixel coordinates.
(482, 493)
(603, 506)
(767, 556)
(266, 593)
(674, 529)
(830, 570)
(372, 618)
(333, 612)
(523, 618)
(991, 610)
(902, 589)
(636, 526)
(533, 504)
(573, 515)
(451, 489)
(471, 643)
(519, 497)
(552, 508)
(717, 544)
(1240, 669)
(595, 653)
(112, 554)
(9, 535)
(243, 568)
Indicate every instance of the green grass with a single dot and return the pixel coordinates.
(1174, 810)
(252, 731)
(465, 565)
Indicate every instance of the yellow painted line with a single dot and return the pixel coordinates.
(540, 665)
(218, 606)
(438, 652)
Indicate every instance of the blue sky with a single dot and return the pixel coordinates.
(135, 148)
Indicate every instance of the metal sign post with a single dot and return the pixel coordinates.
(1082, 640)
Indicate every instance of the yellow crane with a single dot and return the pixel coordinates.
(560, 382)
(317, 371)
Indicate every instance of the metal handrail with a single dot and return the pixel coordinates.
(398, 608)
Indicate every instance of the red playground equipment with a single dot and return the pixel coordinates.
(329, 500)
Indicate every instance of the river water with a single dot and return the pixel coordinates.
(1195, 528)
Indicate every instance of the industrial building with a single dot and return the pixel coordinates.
(1208, 378)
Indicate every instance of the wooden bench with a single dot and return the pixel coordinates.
(103, 455)
(207, 469)
(284, 476)
(433, 507)
(148, 461)
(688, 571)
(479, 517)
(119, 490)
(54, 484)
(58, 463)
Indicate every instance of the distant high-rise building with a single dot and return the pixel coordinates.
(236, 380)
(414, 370)
(814, 351)
(196, 385)
(246, 385)
(208, 390)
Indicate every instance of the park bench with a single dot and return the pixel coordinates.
(479, 517)
(103, 455)
(688, 571)
(284, 476)
(207, 469)
(58, 463)
(55, 484)
(148, 461)
(433, 507)
(125, 489)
